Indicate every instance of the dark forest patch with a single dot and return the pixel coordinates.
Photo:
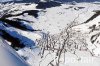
(17, 42)
(18, 24)
(44, 5)
(93, 17)
(30, 12)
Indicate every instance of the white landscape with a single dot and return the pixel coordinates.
(64, 35)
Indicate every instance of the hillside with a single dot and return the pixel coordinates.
(53, 33)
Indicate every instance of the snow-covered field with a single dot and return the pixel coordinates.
(34, 24)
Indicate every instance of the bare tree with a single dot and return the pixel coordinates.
(61, 43)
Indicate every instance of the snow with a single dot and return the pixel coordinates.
(24, 40)
(5, 0)
(8, 56)
(54, 20)
(70, 59)
(84, 28)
